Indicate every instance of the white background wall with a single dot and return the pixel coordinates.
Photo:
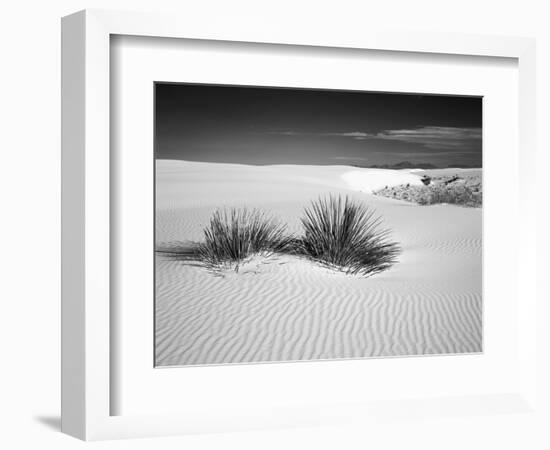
(29, 221)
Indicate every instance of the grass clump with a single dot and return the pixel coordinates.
(347, 236)
(234, 235)
(337, 232)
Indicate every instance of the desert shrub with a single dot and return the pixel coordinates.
(346, 235)
(456, 193)
(234, 235)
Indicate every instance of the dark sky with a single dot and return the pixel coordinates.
(254, 125)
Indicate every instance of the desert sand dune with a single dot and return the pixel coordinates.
(283, 308)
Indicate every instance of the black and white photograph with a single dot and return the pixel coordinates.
(314, 224)
(275, 225)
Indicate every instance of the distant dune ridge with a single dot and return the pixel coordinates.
(285, 308)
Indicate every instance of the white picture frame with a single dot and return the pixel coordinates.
(86, 277)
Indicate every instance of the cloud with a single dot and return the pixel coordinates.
(352, 134)
(437, 138)
(430, 137)
(349, 158)
(286, 133)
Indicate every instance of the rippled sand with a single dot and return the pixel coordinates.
(283, 308)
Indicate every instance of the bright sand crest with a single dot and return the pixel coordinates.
(285, 308)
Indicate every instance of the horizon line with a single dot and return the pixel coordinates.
(373, 166)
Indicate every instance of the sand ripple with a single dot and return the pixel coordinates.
(287, 309)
